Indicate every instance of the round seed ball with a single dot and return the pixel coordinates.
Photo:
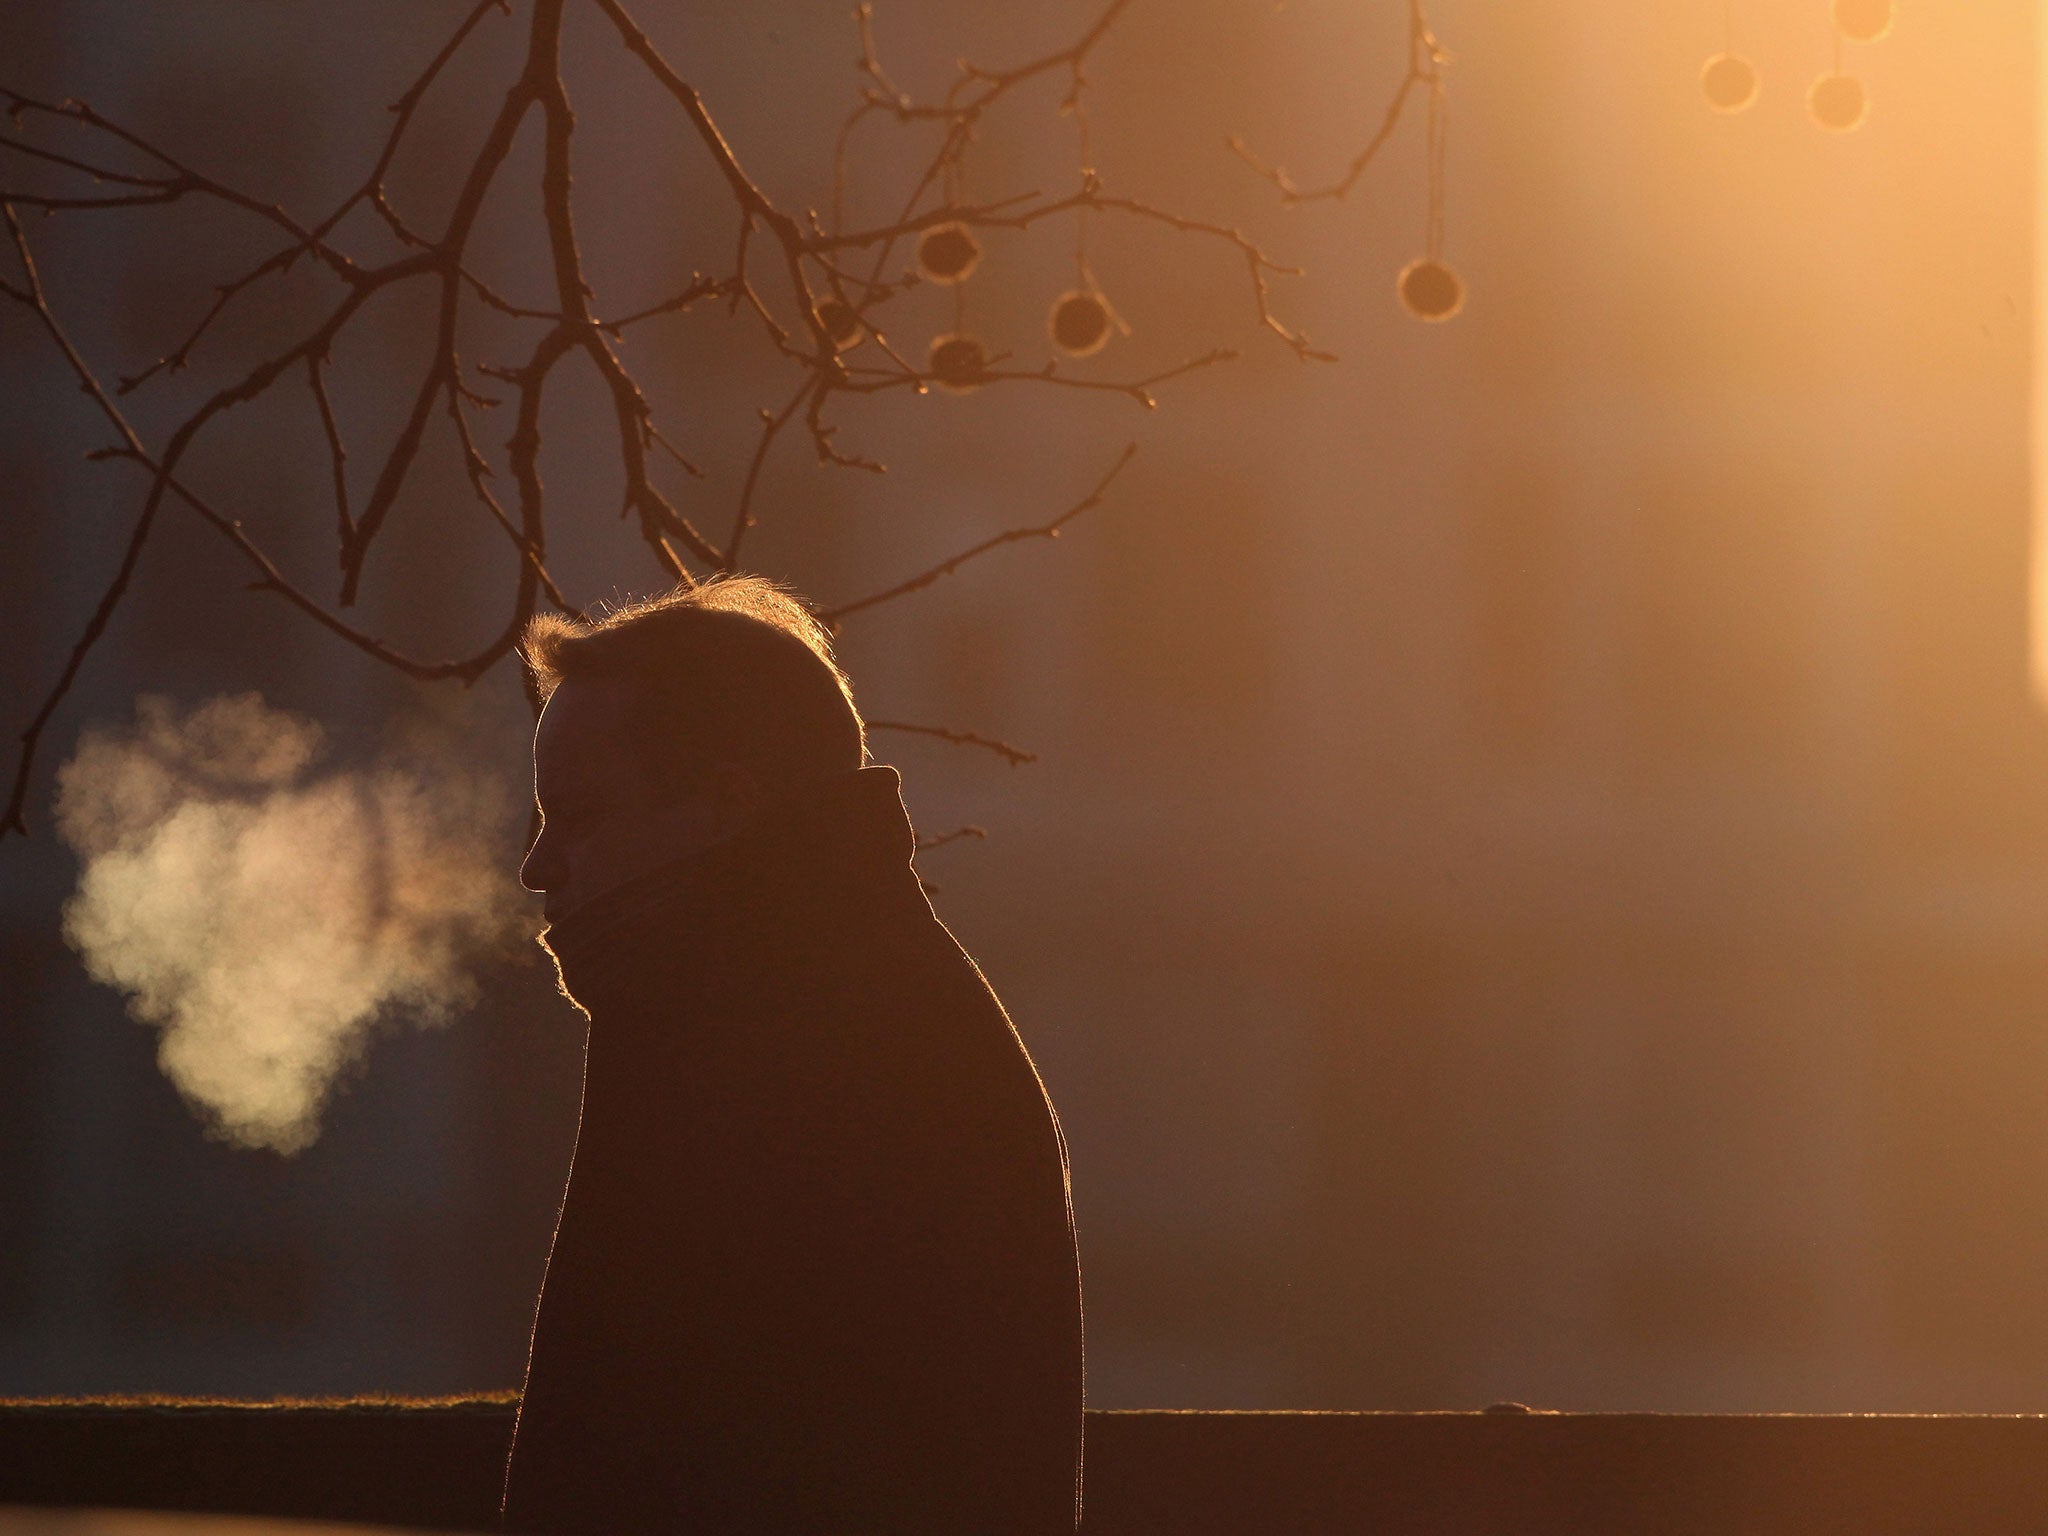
(1079, 323)
(947, 253)
(958, 363)
(1730, 82)
(1838, 102)
(1430, 290)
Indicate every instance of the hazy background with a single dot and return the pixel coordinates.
(1536, 882)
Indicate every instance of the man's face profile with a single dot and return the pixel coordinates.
(607, 816)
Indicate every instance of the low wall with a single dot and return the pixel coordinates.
(437, 1464)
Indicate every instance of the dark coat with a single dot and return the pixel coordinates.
(815, 1270)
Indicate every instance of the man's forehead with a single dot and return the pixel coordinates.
(584, 731)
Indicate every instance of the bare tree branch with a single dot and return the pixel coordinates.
(370, 190)
(754, 203)
(443, 371)
(981, 89)
(14, 818)
(813, 259)
(1008, 215)
(182, 181)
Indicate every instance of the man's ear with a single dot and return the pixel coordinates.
(735, 795)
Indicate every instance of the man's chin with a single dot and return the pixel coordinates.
(561, 981)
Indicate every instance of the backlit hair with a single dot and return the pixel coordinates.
(734, 669)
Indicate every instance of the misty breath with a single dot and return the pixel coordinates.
(264, 915)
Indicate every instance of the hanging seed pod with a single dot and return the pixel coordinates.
(1863, 21)
(948, 253)
(1838, 102)
(1430, 290)
(841, 321)
(958, 363)
(1079, 323)
(1730, 82)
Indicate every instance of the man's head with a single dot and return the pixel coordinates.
(666, 724)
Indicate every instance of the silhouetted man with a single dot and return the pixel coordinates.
(815, 1270)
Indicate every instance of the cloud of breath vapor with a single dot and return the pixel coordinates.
(263, 915)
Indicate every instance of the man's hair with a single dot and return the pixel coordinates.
(733, 669)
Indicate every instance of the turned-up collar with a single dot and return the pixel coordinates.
(828, 835)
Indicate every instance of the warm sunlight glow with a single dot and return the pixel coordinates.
(2037, 583)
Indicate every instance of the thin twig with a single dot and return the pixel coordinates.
(1016, 757)
(822, 435)
(700, 287)
(871, 381)
(833, 616)
(183, 179)
(15, 817)
(337, 452)
(926, 844)
(1426, 59)
(96, 172)
(479, 471)
(772, 423)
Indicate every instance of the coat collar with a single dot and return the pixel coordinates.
(830, 836)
